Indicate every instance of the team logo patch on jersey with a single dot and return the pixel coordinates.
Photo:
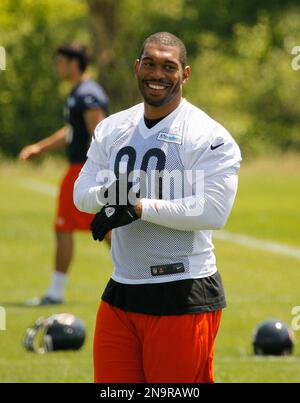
(173, 137)
(167, 269)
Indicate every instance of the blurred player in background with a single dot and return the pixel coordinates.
(86, 106)
(160, 311)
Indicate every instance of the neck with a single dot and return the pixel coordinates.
(77, 78)
(154, 112)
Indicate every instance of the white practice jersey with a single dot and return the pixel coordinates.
(169, 231)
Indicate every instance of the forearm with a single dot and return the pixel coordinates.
(204, 212)
(53, 142)
(86, 189)
(91, 118)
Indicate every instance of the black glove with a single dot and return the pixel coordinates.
(109, 217)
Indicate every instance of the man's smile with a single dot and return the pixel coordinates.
(156, 86)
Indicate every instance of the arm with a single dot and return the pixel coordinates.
(202, 212)
(88, 183)
(87, 189)
(210, 204)
(208, 211)
(55, 141)
(92, 117)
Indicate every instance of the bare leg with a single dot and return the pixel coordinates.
(64, 251)
(63, 258)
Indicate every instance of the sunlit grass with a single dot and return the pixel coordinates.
(259, 285)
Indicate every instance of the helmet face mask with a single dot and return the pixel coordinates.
(57, 332)
(273, 337)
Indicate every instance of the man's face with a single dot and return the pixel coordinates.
(64, 67)
(160, 74)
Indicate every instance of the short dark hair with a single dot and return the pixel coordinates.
(75, 50)
(167, 39)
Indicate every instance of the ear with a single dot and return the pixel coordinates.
(136, 66)
(186, 74)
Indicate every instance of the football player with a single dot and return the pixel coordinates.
(161, 309)
(86, 106)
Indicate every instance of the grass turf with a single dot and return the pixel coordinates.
(259, 285)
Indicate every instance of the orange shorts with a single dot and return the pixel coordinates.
(133, 347)
(68, 218)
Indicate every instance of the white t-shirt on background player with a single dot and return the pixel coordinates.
(168, 232)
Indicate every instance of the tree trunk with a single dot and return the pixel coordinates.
(103, 25)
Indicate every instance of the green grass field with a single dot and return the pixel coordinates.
(259, 284)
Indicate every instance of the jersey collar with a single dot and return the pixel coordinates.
(146, 132)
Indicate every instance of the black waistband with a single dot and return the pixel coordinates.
(171, 298)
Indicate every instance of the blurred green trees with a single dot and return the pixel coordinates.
(31, 99)
(240, 53)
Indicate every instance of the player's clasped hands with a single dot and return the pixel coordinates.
(112, 215)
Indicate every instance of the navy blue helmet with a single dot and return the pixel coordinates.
(273, 337)
(57, 332)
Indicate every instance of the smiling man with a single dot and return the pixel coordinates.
(161, 85)
(161, 309)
